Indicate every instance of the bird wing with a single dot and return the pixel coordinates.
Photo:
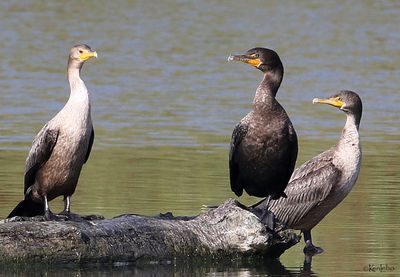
(42, 147)
(293, 141)
(238, 135)
(312, 165)
(91, 140)
(293, 149)
(311, 183)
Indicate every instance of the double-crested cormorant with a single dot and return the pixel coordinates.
(263, 149)
(61, 147)
(321, 183)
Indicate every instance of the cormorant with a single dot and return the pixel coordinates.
(320, 184)
(61, 147)
(263, 148)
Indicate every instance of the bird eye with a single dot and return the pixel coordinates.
(80, 51)
(255, 55)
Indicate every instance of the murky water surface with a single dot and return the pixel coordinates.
(165, 102)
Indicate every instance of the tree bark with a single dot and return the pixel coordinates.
(228, 230)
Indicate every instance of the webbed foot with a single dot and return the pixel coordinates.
(49, 216)
(70, 216)
(311, 250)
(268, 219)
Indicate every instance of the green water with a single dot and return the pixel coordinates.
(165, 101)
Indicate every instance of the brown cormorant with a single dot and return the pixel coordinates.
(61, 147)
(263, 148)
(321, 183)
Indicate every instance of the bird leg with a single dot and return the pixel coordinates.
(48, 215)
(66, 213)
(307, 263)
(267, 217)
(67, 204)
(260, 209)
(310, 248)
(254, 206)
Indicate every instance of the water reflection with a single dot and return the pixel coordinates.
(252, 267)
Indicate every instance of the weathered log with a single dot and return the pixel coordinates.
(228, 230)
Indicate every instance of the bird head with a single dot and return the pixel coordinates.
(346, 100)
(81, 53)
(261, 58)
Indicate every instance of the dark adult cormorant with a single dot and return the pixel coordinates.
(263, 149)
(320, 184)
(61, 147)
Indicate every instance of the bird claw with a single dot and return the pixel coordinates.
(49, 216)
(70, 216)
(312, 250)
(268, 219)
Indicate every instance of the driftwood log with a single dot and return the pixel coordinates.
(228, 231)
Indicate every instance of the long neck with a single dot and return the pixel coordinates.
(350, 133)
(348, 155)
(79, 92)
(268, 87)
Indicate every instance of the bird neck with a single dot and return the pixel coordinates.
(268, 88)
(348, 155)
(78, 104)
(350, 133)
(78, 88)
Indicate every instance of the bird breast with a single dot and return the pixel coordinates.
(75, 127)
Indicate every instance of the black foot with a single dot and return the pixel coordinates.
(80, 218)
(312, 250)
(70, 216)
(48, 215)
(92, 217)
(268, 219)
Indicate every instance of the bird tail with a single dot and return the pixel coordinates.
(27, 207)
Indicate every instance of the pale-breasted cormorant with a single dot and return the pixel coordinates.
(321, 183)
(61, 147)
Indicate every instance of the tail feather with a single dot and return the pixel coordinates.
(27, 207)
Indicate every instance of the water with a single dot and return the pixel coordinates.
(165, 102)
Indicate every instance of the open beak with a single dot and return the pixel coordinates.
(87, 55)
(330, 101)
(246, 59)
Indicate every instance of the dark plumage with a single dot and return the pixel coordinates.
(320, 184)
(264, 143)
(60, 148)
